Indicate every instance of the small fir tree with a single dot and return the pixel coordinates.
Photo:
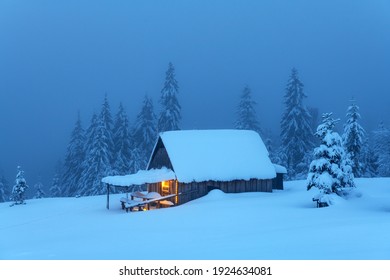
(20, 187)
(170, 115)
(246, 113)
(39, 190)
(353, 138)
(55, 188)
(330, 171)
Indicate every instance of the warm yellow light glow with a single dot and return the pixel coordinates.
(165, 187)
(177, 193)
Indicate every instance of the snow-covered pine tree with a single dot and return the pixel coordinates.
(4, 189)
(138, 160)
(330, 171)
(296, 133)
(315, 118)
(381, 147)
(122, 143)
(56, 186)
(170, 115)
(353, 138)
(246, 113)
(369, 160)
(73, 164)
(98, 153)
(106, 128)
(20, 187)
(269, 144)
(39, 190)
(145, 134)
(90, 137)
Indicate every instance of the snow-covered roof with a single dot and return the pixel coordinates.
(280, 169)
(141, 177)
(219, 155)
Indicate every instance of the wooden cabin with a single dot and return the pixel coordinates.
(230, 160)
(190, 163)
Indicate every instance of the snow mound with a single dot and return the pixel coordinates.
(215, 195)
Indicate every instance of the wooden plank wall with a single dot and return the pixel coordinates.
(194, 190)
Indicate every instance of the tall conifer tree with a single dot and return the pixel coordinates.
(296, 133)
(170, 115)
(4, 190)
(99, 153)
(74, 158)
(122, 143)
(145, 133)
(381, 147)
(246, 112)
(353, 138)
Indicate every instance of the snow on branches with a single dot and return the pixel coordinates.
(331, 170)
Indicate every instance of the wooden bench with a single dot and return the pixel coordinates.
(166, 203)
(320, 203)
(129, 204)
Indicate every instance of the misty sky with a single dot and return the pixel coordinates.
(61, 57)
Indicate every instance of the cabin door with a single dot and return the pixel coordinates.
(166, 188)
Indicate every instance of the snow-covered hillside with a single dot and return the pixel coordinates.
(280, 225)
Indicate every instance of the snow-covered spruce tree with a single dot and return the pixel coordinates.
(73, 164)
(39, 190)
(296, 134)
(246, 113)
(4, 189)
(369, 160)
(353, 138)
(170, 115)
(269, 144)
(138, 160)
(122, 143)
(98, 153)
(20, 187)
(381, 147)
(330, 171)
(90, 137)
(55, 188)
(145, 134)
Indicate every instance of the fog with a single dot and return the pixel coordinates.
(58, 58)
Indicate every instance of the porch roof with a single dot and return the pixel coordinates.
(141, 177)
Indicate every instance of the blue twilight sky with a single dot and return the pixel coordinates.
(61, 57)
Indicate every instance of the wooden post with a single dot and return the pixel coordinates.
(108, 196)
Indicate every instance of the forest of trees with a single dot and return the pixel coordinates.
(111, 144)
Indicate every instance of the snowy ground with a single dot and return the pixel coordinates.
(280, 225)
